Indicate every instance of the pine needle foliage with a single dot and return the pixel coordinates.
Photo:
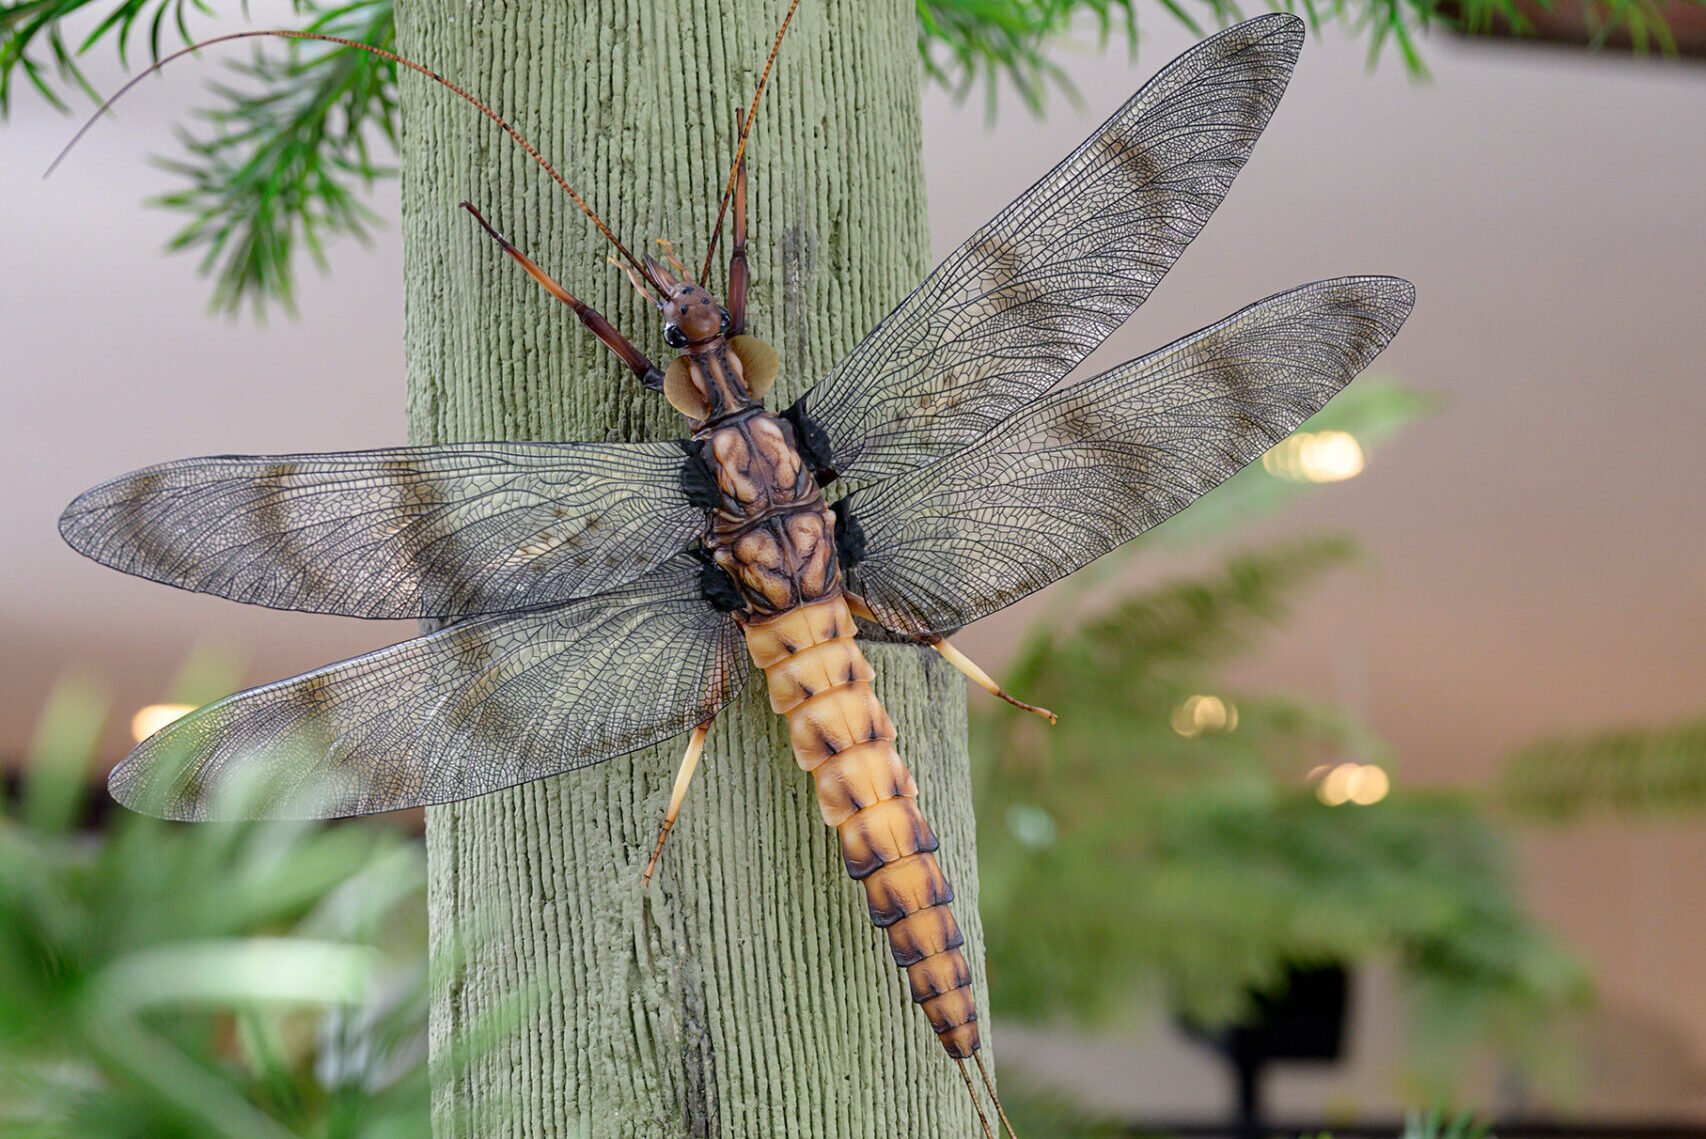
(27, 27)
(965, 43)
(1118, 854)
(284, 157)
(1638, 772)
(282, 162)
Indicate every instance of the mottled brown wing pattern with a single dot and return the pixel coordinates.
(488, 703)
(1030, 294)
(445, 531)
(589, 633)
(1095, 464)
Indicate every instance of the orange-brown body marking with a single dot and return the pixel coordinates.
(774, 535)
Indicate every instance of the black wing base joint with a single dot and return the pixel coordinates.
(813, 442)
(849, 536)
(716, 585)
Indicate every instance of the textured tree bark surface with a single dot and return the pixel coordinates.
(746, 994)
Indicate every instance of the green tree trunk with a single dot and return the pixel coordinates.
(746, 994)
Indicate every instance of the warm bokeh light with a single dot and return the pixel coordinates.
(152, 718)
(1316, 456)
(1368, 784)
(1361, 783)
(1204, 713)
(1331, 790)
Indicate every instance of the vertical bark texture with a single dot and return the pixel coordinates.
(746, 994)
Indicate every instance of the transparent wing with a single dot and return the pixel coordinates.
(1013, 310)
(1095, 464)
(486, 704)
(409, 532)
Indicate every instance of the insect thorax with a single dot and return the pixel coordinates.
(771, 530)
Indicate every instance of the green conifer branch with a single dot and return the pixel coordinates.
(1644, 771)
(284, 159)
(1119, 853)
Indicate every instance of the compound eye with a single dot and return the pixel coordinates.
(674, 337)
(727, 323)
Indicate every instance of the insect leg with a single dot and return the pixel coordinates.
(968, 666)
(637, 361)
(956, 658)
(683, 777)
(736, 294)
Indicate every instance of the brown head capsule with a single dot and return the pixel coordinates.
(707, 382)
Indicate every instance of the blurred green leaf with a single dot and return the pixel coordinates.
(65, 737)
(206, 674)
(1632, 771)
(1436, 1123)
(252, 970)
(160, 980)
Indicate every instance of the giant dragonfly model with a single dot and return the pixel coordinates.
(601, 592)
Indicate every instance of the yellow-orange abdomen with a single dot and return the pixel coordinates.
(821, 682)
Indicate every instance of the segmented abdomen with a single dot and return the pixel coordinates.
(821, 682)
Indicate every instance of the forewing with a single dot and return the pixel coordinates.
(409, 532)
(488, 703)
(1094, 465)
(1015, 308)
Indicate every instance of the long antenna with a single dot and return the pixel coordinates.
(740, 151)
(383, 54)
